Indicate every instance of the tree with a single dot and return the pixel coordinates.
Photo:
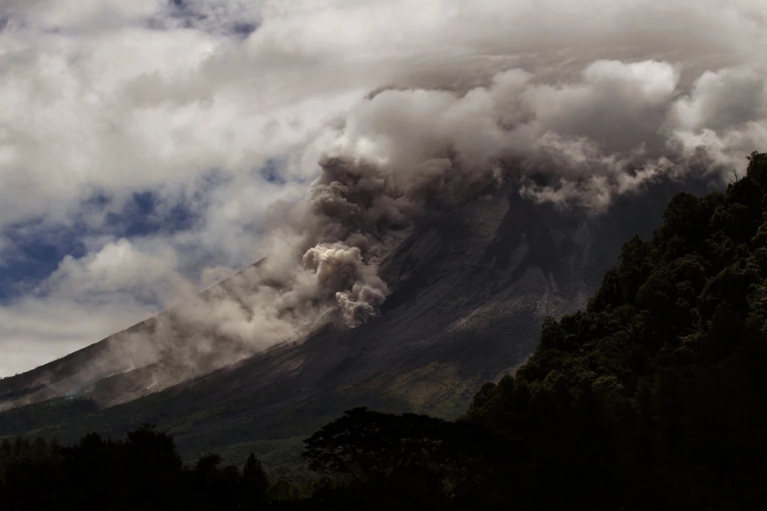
(255, 482)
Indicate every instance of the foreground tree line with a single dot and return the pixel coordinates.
(654, 397)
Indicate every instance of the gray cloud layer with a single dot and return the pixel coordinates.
(115, 97)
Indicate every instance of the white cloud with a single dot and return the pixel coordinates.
(116, 97)
(724, 99)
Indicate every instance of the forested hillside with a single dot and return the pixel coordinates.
(654, 397)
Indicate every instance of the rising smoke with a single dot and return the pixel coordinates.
(619, 126)
(592, 110)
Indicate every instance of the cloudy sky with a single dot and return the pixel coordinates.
(145, 145)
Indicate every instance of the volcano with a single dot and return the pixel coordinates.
(470, 288)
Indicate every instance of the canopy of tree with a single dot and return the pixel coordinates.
(144, 471)
(656, 395)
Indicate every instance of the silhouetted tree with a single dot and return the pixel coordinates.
(255, 482)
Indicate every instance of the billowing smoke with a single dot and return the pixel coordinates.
(572, 105)
(611, 129)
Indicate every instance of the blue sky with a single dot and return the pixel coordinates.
(38, 249)
(35, 248)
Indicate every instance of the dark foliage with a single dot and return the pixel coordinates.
(655, 397)
(142, 472)
(409, 461)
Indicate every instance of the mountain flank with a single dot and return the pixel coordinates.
(471, 287)
(653, 396)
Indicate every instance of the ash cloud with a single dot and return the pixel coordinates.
(613, 129)
(405, 107)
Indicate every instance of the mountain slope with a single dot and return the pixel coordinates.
(653, 396)
(149, 356)
(471, 287)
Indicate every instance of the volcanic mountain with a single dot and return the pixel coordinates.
(470, 287)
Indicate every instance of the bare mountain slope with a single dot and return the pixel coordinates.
(147, 357)
(471, 287)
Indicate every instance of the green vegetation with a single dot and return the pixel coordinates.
(654, 397)
(67, 420)
(226, 426)
(143, 471)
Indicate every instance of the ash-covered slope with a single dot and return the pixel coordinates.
(147, 357)
(470, 288)
(181, 343)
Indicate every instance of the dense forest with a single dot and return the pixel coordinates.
(654, 397)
